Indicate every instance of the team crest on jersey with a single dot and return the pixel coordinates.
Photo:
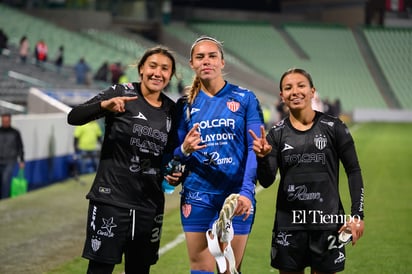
(320, 141)
(233, 106)
(186, 209)
(128, 86)
(96, 243)
(159, 219)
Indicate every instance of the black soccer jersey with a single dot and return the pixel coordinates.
(308, 161)
(129, 173)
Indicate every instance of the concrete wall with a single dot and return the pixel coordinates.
(75, 19)
(47, 140)
(381, 115)
(349, 13)
(48, 146)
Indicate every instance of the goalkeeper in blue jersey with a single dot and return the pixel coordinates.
(216, 149)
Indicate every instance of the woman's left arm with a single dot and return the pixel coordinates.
(350, 162)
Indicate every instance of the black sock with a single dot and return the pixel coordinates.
(99, 268)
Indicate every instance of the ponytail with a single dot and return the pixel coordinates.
(194, 90)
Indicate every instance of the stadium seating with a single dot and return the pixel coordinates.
(16, 24)
(392, 49)
(256, 44)
(188, 33)
(332, 53)
(337, 66)
(131, 47)
(334, 59)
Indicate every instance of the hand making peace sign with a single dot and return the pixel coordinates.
(260, 145)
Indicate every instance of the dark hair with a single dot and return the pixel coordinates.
(155, 50)
(23, 38)
(296, 70)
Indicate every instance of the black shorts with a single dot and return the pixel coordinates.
(295, 250)
(112, 231)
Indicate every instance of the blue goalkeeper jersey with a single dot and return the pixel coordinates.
(228, 163)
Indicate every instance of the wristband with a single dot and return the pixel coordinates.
(184, 152)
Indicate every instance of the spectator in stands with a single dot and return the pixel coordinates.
(11, 152)
(216, 148)
(375, 12)
(87, 141)
(24, 49)
(126, 200)
(40, 52)
(281, 109)
(267, 116)
(123, 79)
(116, 71)
(180, 86)
(306, 149)
(82, 70)
(3, 42)
(326, 106)
(59, 59)
(317, 103)
(337, 107)
(332, 108)
(102, 73)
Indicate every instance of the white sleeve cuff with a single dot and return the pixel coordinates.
(184, 152)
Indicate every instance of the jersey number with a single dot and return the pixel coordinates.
(332, 239)
(155, 234)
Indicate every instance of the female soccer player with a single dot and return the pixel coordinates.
(217, 151)
(126, 199)
(307, 147)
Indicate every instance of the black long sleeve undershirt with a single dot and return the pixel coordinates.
(85, 113)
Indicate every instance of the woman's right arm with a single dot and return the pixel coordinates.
(108, 100)
(266, 155)
(267, 169)
(85, 113)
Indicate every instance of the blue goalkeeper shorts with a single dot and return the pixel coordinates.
(199, 211)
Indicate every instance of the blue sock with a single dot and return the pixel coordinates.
(200, 272)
